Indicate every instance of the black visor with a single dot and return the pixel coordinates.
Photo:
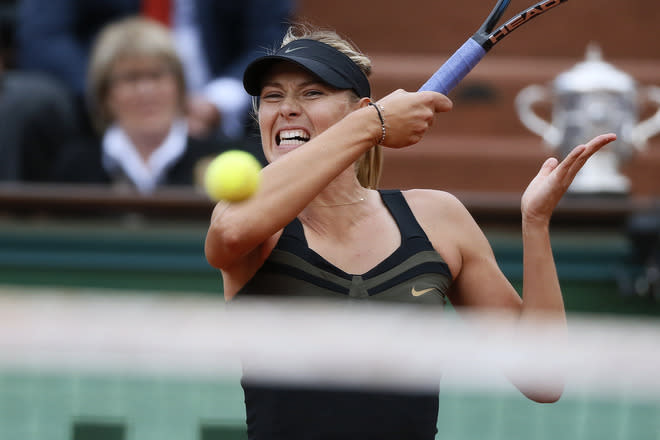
(330, 65)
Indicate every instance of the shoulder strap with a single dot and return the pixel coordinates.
(404, 217)
(292, 235)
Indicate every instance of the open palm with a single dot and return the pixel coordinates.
(550, 184)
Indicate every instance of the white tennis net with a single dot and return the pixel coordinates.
(170, 338)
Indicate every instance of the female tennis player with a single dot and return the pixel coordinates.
(318, 227)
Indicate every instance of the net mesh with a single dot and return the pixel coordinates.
(109, 365)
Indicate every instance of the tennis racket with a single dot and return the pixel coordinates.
(476, 47)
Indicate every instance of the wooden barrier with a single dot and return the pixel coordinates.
(96, 202)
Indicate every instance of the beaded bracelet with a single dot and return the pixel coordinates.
(379, 108)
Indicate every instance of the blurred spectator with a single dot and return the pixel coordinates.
(36, 113)
(36, 118)
(136, 92)
(216, 40)
(7, 31)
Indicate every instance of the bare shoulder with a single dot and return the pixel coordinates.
(428, 203)
(442, 216)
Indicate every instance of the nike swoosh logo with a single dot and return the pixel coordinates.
(292, 49)
(421, 292)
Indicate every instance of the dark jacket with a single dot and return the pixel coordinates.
(81, 161)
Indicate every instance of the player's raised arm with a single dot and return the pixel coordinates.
(541, 291)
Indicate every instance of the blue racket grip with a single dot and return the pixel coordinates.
(455, 68)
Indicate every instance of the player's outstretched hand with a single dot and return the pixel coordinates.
(408, 115)
(550, 184)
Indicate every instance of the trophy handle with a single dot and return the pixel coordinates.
(524, 102)
(651, 126)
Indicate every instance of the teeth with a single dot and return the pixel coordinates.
(294, 135)
(292, 142)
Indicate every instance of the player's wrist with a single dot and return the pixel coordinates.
(535, 225)
(380, 111)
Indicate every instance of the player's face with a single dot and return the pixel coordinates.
(295, 106)
(143, 96)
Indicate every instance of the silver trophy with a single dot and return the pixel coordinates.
(592, 98)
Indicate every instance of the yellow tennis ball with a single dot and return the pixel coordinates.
(232, 176)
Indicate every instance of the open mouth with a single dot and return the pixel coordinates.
(292, 137)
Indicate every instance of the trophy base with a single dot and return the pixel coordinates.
(595, 194)
(613, 185)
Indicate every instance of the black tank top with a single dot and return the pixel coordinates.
(414, 273)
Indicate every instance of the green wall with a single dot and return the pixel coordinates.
(168, 257)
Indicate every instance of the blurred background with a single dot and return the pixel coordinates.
(71, 223)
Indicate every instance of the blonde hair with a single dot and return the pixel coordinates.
(133, 36)
(369, 167)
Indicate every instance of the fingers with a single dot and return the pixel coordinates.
(579, 155)
(409, 115)
(600, 141)
(585, 151)
(548, 166)
(438, 101)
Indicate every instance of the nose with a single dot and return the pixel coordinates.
(290, 107)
